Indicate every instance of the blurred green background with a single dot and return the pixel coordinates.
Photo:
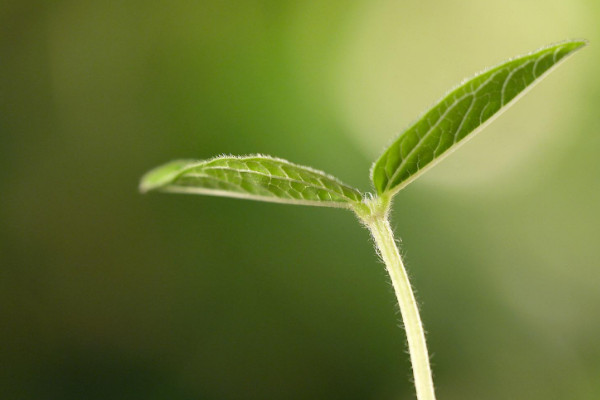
(109, 294)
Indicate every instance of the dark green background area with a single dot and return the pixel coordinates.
(109, 294)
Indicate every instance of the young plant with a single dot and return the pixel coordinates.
(448, 124)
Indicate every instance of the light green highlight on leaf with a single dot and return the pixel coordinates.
(461, 114)
(252, 177)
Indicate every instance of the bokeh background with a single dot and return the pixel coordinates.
(109, 294)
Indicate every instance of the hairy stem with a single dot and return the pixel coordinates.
(383, 235)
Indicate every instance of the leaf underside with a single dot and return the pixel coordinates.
(460, 114)
(252, 177)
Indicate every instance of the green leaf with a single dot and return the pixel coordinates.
(461, 114)
(252, 177)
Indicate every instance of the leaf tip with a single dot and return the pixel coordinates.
(162, 175)
(581, 42)
(568, 47)
(576, 44)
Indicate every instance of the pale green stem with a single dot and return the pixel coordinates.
(383, 235)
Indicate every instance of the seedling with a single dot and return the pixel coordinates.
(451, 122)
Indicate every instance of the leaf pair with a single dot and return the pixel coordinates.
(454, 119)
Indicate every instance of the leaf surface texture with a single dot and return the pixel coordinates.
(252, 177)
(460, 114)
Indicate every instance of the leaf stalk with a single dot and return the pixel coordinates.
(383, 236)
